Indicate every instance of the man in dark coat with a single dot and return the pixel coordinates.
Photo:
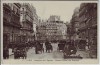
(47, 43)
(5, 53)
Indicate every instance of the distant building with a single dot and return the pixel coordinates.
(41, 31)
(61, 30)
(54, 18)
(52, 30)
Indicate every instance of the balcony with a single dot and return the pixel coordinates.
(82, 28)
(30, 22)
(7, 6)
(15, 14)
(18, 4)
(15, 21)
(6, 17)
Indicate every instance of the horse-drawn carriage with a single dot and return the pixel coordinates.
(61, 45)
(20, 51)
(70, 51)
(39, 48)
(48, 46)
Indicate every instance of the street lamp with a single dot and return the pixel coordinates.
(88, 38)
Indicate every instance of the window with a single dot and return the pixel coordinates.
(23, 9)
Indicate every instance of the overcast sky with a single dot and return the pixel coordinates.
(64, 9)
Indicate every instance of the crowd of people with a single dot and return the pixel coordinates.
(39, 47)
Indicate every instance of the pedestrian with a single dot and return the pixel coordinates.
(47, 43)
(37, 46)
(5, 53)
(49, 48)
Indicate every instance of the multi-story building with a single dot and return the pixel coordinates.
(88, 21)
(88, 24)
(18, 24)
(52, 30)
(75, 24)
(61, 30)
(26, 22)
(41, 31)
(68, 25)
(35, 23)
(11, 23)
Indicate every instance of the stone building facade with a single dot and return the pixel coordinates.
(75, 24)
(26, 22)
(83, 26)
(18, 24)
(51, 30)
(88, 25)
(11, 23)
(88, 21)
(41, 31)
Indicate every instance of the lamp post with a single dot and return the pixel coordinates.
(88, 38)
(12, 37)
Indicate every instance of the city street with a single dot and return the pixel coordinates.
(53, 55)
(64, 26)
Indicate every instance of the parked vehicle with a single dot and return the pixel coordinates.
(20, 53)
(70, 49)
(49, 48)
(61, 45)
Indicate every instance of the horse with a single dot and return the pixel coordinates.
(60, 47)
(49, 48)
(39, 47)
(69, 50)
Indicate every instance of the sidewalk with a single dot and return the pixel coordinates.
(83, 53)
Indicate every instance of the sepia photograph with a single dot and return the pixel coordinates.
(49, 30)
